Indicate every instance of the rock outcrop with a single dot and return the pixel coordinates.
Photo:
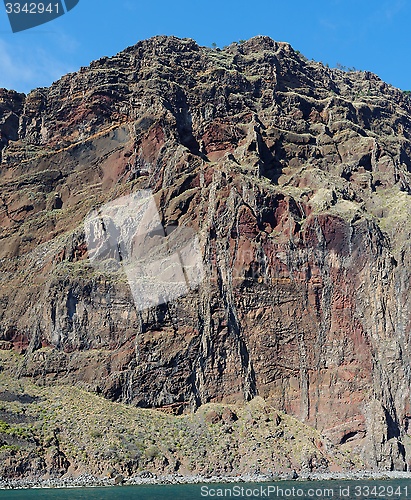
(296, 180)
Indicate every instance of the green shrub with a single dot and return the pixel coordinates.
(4, 428)
(151, 452)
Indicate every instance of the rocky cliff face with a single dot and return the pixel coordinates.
(295, 179)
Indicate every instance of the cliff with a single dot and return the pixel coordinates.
(294, 179)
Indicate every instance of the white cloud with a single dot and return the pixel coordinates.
(386, 12)
(392, 9)
(24, 66)
(66, 42)
(130, 5)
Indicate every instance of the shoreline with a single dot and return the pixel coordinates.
(151, 479)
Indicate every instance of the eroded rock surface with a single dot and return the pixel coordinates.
(295, 178)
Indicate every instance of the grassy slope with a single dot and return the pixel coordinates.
(67, 424)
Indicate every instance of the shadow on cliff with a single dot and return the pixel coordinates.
(184, 124)
(270, 164)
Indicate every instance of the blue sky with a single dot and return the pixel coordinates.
(356, 33)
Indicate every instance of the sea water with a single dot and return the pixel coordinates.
(309, 490)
